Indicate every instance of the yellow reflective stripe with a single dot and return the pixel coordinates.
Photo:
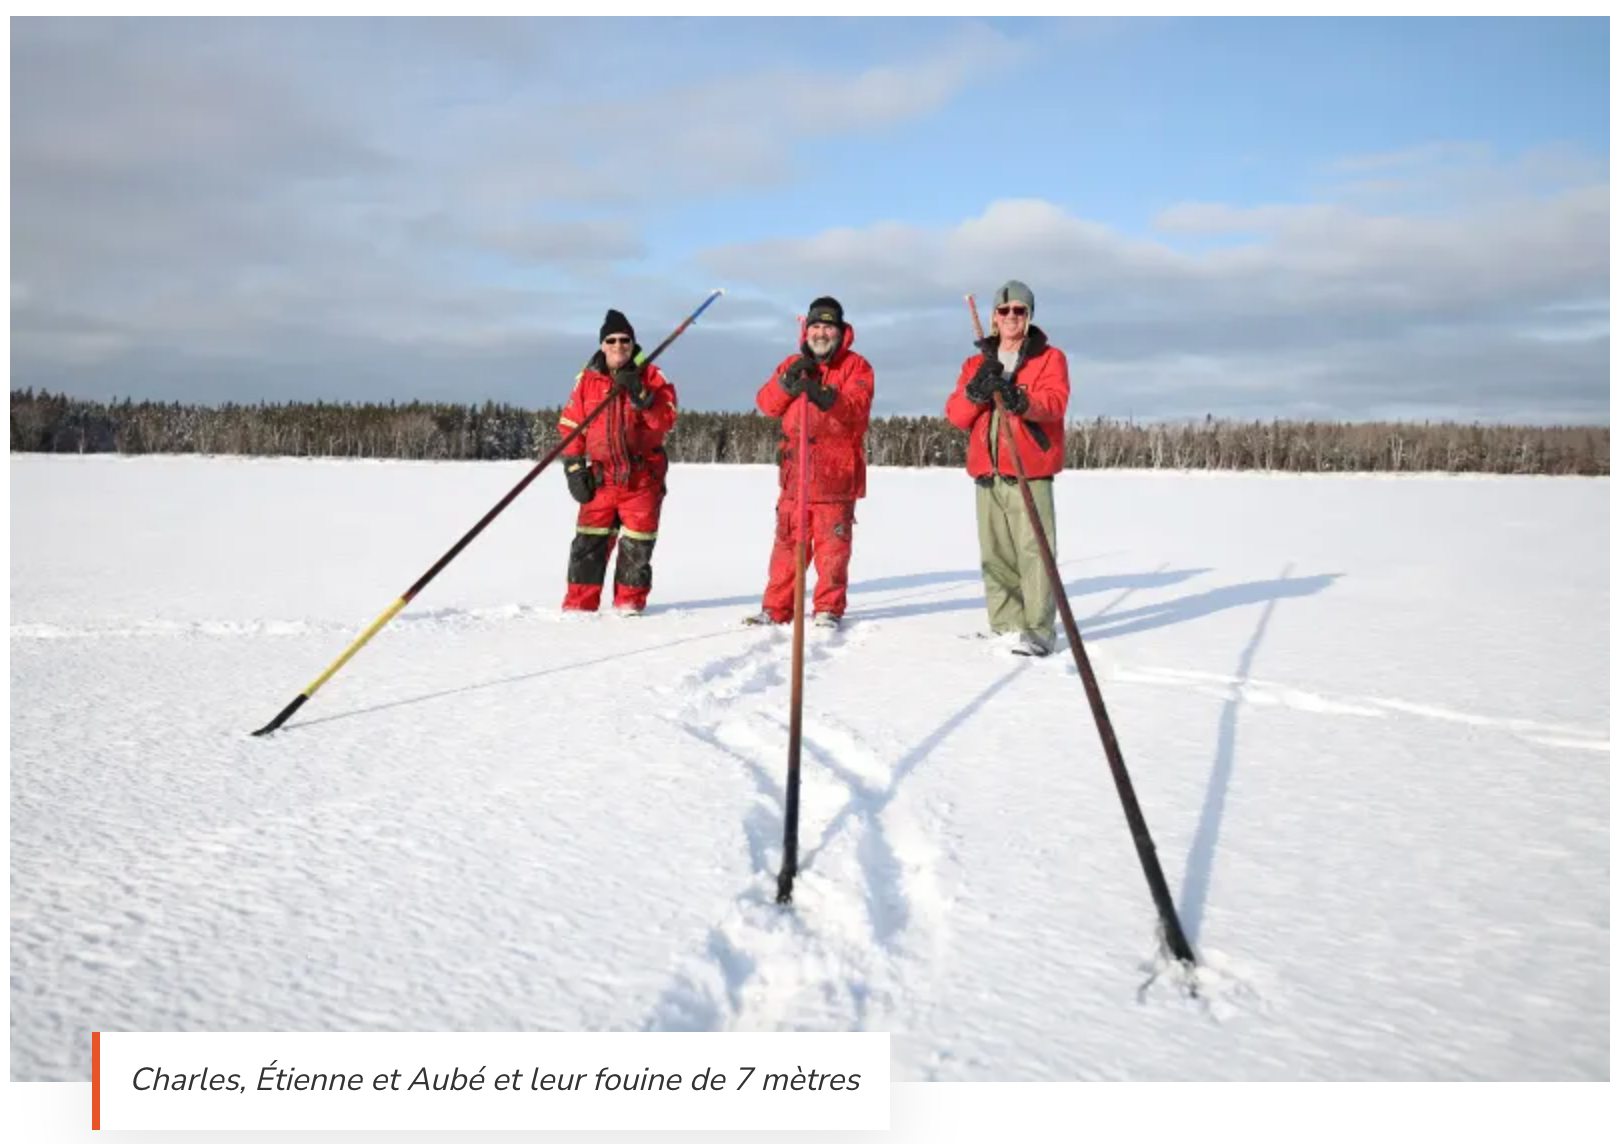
(583, 531)
(633, 535)
(570, 423)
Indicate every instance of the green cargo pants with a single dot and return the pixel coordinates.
(1019, 592)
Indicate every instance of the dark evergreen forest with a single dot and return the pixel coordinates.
(52, 423)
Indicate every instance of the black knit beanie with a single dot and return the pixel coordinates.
(616, 323)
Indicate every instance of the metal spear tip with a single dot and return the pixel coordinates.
(286, 713)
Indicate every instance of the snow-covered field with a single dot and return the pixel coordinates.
(1367, 719)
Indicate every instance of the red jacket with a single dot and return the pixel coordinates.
(836, 435)
(1042, 372)
(624, 441)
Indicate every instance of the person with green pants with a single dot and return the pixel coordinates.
(1017, 361)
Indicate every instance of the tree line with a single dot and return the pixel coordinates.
(53, 423)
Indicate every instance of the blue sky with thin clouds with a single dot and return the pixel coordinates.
(1342, 219)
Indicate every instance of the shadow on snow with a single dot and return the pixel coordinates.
(1200, 860)
(1130, 622)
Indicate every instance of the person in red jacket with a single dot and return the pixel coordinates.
(832, 385)
(616, 470)
(1017, 361)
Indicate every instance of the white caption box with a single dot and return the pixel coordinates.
(662, 1081)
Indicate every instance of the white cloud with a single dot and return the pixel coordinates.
(240, 186)
(1317, 260)
(1325, 305)
(232, 205)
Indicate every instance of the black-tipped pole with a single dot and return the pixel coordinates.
(789, 843)
(1172, 934)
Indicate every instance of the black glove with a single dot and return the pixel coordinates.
(631, 379)
(821, 394)
(980, 390)
(1015, 398)
(581, 480)
(796, 376)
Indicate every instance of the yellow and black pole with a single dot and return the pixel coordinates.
(1173, 935)
(415, 589)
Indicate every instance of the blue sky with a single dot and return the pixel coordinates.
(1122, 122)
(1347, 219)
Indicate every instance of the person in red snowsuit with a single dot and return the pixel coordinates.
(617, 470)
(832, 385)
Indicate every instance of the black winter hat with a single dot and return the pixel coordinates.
(825, 310)
(616, 323)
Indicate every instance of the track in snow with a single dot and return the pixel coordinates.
(867, 896)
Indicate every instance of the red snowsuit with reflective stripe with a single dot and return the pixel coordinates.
(1038, 432)
(836, 478)
(625, 449)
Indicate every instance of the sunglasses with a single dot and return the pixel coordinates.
(1006, 311)
(618, 340)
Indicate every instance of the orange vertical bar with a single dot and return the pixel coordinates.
(95, 1082)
